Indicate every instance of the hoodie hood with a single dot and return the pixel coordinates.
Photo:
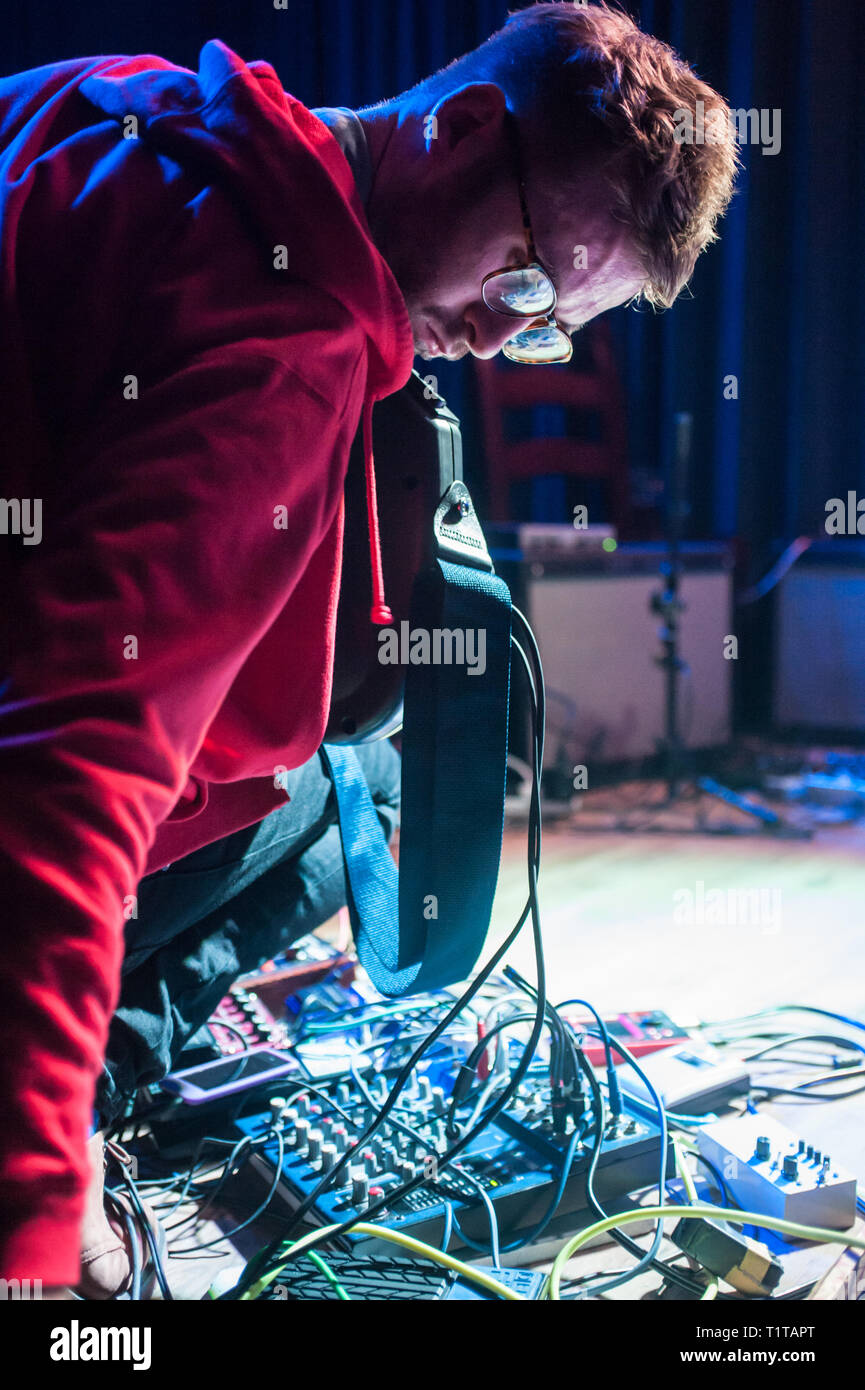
(234, 121)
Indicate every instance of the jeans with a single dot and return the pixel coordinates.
(220, 912)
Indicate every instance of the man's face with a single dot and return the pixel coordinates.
(465, 221)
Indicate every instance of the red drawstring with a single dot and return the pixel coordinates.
(379, 613)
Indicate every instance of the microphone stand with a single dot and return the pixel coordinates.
(669, 606)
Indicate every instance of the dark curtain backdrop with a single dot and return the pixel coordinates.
(778, 303)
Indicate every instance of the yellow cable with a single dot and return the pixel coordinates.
(731, 1214)
(417, 1247)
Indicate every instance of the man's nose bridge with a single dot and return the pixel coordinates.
(493, 330)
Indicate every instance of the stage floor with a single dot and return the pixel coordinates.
(609, 909)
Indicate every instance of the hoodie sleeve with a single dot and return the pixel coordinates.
(159, 569)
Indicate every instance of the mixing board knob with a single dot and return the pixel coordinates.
(302, 1105)
(340, 1138)
(314, 1143)
(328, 1157)
(343, 1093)
(425, 1090)
(276, 1103)
(289, 1121)
(359, 1187)
(301, 1130)
(389, 1158)
(439, 1104)
(370, 1164)
(405, 1170)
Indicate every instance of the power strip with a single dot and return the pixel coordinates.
(771, 1170)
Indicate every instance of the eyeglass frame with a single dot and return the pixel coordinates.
(547, 320)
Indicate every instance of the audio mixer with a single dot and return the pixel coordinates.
(517, 1160)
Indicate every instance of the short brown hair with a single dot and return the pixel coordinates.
(599, 86)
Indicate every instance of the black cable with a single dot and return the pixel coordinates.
(242, 1145)
(129, 1187)
(226, 1235)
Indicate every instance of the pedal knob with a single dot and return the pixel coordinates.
(791, 1167)
(764, 1148)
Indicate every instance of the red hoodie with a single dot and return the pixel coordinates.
(192, 317)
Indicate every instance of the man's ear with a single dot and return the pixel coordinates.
(465, 121)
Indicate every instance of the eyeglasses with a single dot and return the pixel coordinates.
(527, 292)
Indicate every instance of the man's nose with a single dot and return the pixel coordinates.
(488, 331)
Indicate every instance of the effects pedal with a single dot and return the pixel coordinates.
(771, 1170)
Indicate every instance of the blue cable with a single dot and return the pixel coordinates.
(683, 1121)
(449, 1227)
(645, 1261)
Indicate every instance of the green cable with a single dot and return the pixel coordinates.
(329, 1275)
(415, 1247)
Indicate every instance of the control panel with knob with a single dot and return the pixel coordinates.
(516, 1161)
(771, 1170)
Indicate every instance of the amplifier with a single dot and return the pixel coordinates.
(820, 640)
(600, 641)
